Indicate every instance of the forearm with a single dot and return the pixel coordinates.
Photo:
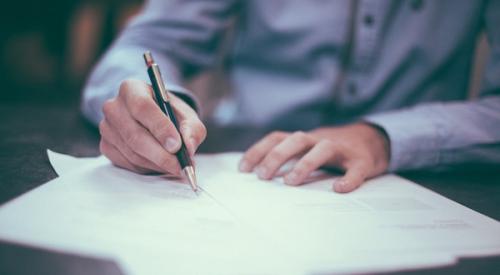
(120, 63)
(183, 42)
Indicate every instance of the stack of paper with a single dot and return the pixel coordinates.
(239, 224)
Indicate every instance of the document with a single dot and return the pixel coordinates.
(386, 216)
(145, 223)
(240, 224)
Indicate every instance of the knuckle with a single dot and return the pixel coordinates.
(250, 156)
(124, 89)
(184, 125)
(108, 108)
(344, 145)
(300, 137)
(299, 134)
(105, 130)
(254, 155)
(277, 135)
(140, 105)
(327, 145)
(203, 130)
(102, 128)
(306, 164)
(135, 94)
(133, 139)
(126, 86)
(162, 128)
(200, 131)
(276, 156)
(194, 129)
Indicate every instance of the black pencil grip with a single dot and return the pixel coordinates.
(182, 154)
(166, 108)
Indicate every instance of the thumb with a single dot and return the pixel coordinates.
(353, 178)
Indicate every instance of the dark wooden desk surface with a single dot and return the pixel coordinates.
(27, 130)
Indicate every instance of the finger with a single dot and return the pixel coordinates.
(322, 153)
(355, 175)
(291, 146)
(181, 108)
(193, 133)
(259, 150)
(140, 140)
(112, 137)
(139, 100)
(116, 157)
(192, 129)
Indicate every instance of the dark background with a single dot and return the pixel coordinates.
(48, 47)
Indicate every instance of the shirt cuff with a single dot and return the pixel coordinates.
(414, 138)
(186, 95)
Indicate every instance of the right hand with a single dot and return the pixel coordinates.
(136, 135)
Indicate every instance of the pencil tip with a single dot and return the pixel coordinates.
(189, 171)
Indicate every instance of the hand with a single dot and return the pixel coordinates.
(136, 135)
(360, 149)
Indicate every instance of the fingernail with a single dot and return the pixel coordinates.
(340, 185)
(244, 166)
(171, 145)
(261, 172)
(291, 178)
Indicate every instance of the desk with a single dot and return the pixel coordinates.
(27, 130)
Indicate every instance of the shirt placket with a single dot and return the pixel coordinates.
(368, 25)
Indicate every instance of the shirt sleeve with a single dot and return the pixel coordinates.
(182, 35)
(444, 134)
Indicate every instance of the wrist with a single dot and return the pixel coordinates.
(380, 143)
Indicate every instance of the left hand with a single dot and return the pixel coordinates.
(362, 150)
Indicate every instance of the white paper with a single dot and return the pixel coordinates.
(146, 223)
(386, 216)
(239, 224)
(64, 164)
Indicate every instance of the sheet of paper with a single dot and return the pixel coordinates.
(386, 216)
(146, 223)
(64, 164)
(241, 224)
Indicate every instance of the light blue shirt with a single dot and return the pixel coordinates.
(403, 65)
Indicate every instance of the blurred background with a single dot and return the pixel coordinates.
(47, 50)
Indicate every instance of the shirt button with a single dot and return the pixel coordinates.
(352, 89)
(368, 20)
(416, 4)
